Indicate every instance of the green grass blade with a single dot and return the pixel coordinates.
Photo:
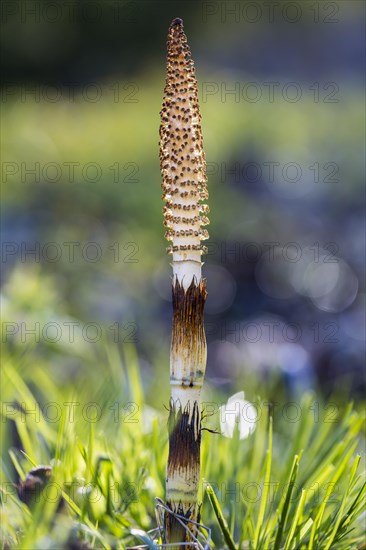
(286, 506)
(295, 521)
(266, 487)
(220, 518)
(304, 530)
(17, 465)
(354, 510)
(333, 535)
(318, 519)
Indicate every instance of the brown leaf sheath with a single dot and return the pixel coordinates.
(188, 332)
(184, 457)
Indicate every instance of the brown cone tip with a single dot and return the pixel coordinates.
(182, 159)
(177, 21)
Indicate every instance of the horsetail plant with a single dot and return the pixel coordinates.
(183, 169)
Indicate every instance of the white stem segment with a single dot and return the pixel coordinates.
(183, 169)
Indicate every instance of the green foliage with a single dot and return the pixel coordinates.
(296, 486)
(297, 511)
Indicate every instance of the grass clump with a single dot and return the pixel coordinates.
(289, 485)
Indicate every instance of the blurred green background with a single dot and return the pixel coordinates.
(281, 89)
